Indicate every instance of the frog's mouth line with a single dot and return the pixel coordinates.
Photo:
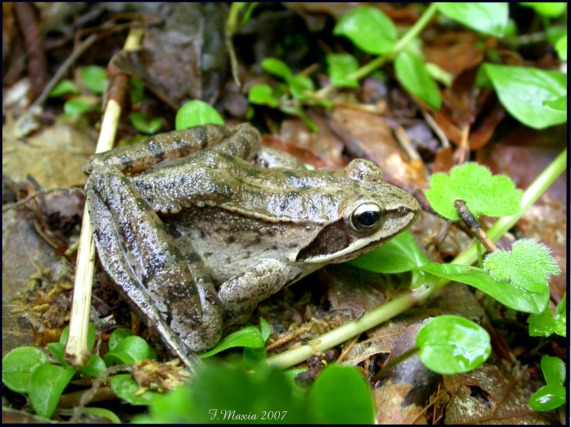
(334, 244)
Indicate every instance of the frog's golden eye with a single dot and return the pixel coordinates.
(366, 217)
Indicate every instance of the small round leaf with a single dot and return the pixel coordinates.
(94, 77)
(47, 383)
(451, 345)
(195, 113)
(117, 336)
(124, 386)
(64, 87)
(341, 395)
(130, 350)
(18, 365)
(548, 397)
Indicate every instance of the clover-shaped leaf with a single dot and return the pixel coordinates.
(483, 193)
(527, 265)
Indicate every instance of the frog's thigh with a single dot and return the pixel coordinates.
(145, 261)
(241, 294)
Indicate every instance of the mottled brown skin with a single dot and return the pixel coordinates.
(202, 239)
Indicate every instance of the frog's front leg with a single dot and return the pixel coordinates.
(165, 280)
(241, 294)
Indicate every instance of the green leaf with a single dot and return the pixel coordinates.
(473, 183)
(95, 367)
(411, 73)
(93, 77)
(117, 336)
(507, 294)
(544, 325)
(451, 345)
(58, 350)
(18, 365)
(47, 383)
(249, 11)
(64, 87)
(561, 309)
(369, 29)
(137, 91)
(126, 388)
(523, 91)
(175, 407)
(548, 397)
(561, 48)
(299, 84)
(487, 18)
(398, 255)
(548, 9)
(263, 95)
(130, 350)
(278, 68)
(75, 107)
(252, 356)
(140, 122)
(328, 405)
(557, 104)
(339, 67)
(527, 265)
(248, 336)
(102, 413)
(553, 369)
(196, 112)
(265, 329)
(228, 394)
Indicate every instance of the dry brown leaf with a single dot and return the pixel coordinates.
(54, 157)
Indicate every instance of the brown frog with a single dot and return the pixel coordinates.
(210, 223)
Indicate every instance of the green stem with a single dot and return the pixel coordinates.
(339, 335)
(412, 33)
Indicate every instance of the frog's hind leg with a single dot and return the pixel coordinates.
(145, 261)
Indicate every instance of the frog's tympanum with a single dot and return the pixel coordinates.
(198, 226)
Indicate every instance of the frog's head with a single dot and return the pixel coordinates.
(372, 213)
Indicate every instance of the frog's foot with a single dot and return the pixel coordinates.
(241, 294)
(166, 284)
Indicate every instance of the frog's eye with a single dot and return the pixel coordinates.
(366, 217)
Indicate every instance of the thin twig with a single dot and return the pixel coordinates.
(473, 224)
(89, 394)
(77, 52)
(76, 350)
(33, 39)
